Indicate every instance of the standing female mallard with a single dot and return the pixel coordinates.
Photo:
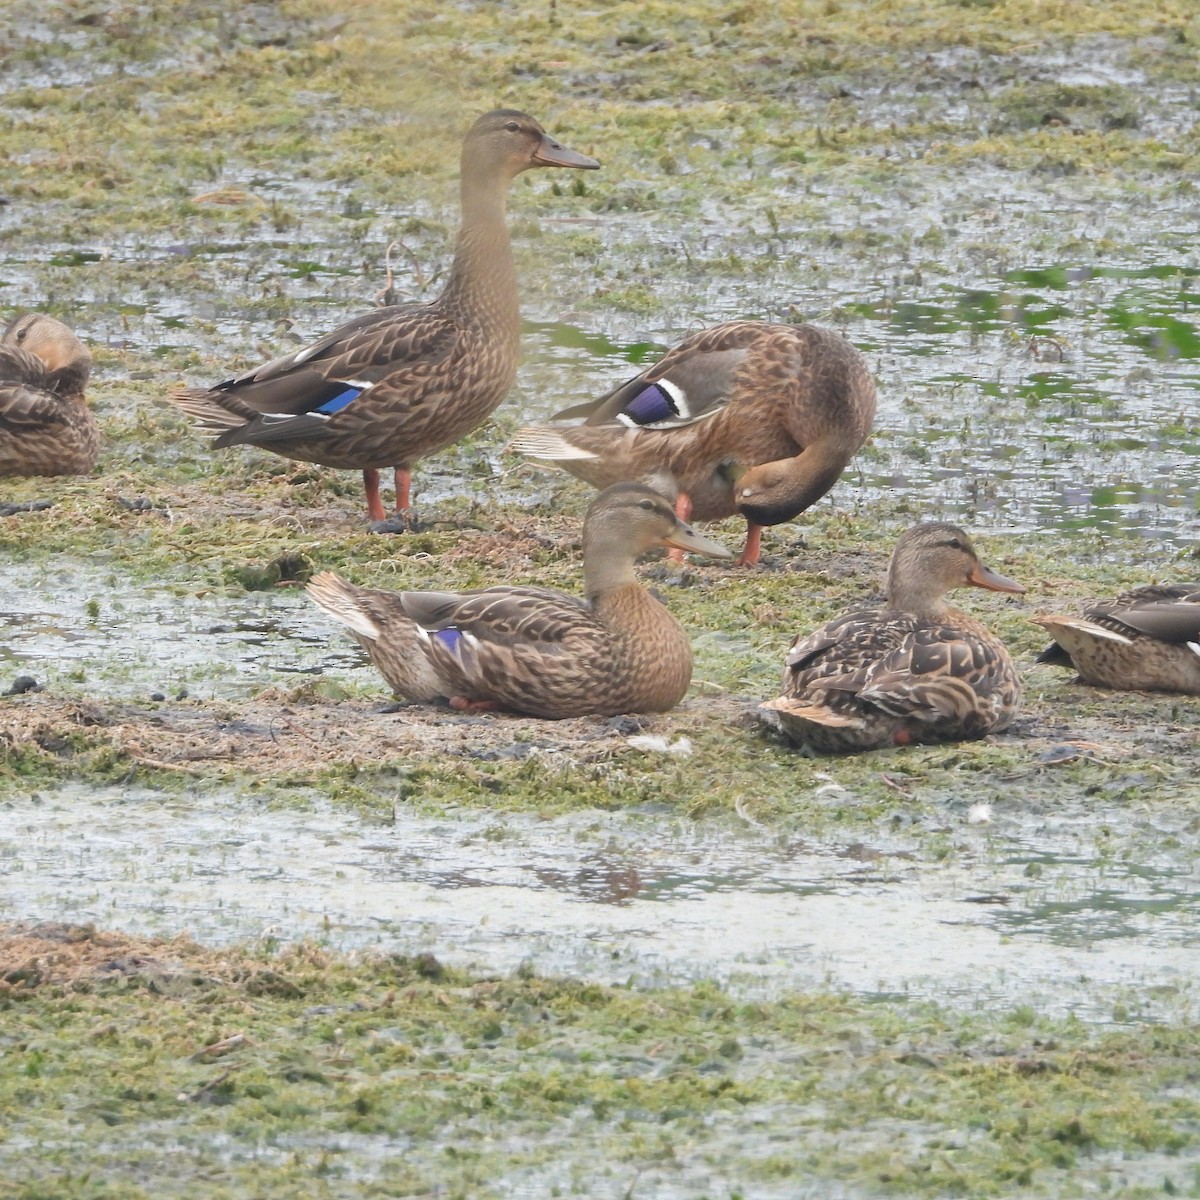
(530, 649)
(46, 427)
(916, 670)
(744, 417)
(396, 384)
(1147, 639)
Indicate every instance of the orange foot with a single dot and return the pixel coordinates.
(463, 704)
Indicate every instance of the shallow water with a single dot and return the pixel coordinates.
(67, 625)
(1030, 910)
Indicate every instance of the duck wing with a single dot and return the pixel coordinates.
(293, 397)
(26, 403)
(691, 381)
(504, 615)
(904, 665)
(939, 674)
(25, 411)
(1167, 612)
(513, 645)
(18, 366)
(843, 651)
(1175, 621)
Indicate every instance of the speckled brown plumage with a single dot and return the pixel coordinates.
(916, 670)
(399, 383)
(46, 427)
(1147, 639)
(759, 419)
(533, 650)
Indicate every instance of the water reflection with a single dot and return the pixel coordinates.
(1022, 912)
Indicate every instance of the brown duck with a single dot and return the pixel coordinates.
(46, 427)
(744, 417)
(916, 670)
(1147, 639)
(399, 383)
(533, 650)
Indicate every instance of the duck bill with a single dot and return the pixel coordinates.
(985, 577)
(683, 537)
(553, 154)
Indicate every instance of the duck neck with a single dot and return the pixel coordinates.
(482, 288)
(913, 596)
(604, 575)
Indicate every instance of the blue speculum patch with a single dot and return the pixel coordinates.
(340, 401)
(449, 637)
(652, 404)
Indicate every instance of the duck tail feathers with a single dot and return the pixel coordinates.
(216, 415)
(341, 600)
(539, 442)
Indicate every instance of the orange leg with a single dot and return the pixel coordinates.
(683, 510)
(375, 508)
(462, 704)
(403, 489)
(752, 551)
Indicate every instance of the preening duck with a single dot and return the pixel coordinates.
(745, 417)
(46, 427)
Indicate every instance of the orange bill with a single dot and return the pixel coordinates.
(684, 537)
(985, 577)
(554, 154)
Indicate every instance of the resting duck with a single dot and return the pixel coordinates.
(403, 381)
(46, 427)
(744, 417)
(916, 670)
(533, 650)
(1147, 639)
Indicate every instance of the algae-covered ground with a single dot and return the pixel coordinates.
(996, 203)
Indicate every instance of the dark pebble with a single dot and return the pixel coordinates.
(626, 725)
(399, 523)
(23, 684)
(8, 510)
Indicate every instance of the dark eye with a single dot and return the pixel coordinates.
(955, 544)
(648, 505)
(21, 333)
(512, 127)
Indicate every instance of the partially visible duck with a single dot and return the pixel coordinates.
(530, 649)
(401, 382)
(745, 417)
(1147, 639)
(915, 670)
(46, 427)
